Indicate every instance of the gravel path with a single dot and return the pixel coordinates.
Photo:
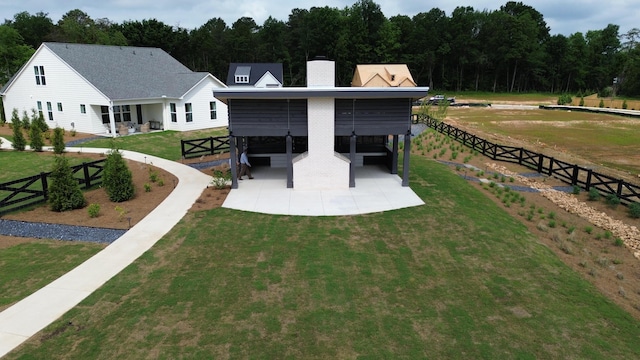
(59, 232)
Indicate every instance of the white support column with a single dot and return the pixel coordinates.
(112, 120)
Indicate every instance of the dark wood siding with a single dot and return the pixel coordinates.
(255, 117)
(373, 116)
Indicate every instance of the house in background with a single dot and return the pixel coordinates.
(259, 75)
(382, 75)
(321, 133)
(99, 89)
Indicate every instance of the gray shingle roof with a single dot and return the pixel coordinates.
(127, 72)
(257, 71)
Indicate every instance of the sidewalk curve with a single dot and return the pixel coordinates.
(30, 315)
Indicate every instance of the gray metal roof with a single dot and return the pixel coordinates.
(127, 72)
(225, 94)
(255, 70)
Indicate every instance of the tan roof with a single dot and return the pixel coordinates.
(382, 75)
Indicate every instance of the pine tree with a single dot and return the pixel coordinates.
(64, 191)
(117, 178)
(58, 140)
(19, 142)
(35, 135)
(37, 120)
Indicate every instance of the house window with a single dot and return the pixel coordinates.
(122, 113)
(60, 107)
(104, 111)
(39, 72)
(174, 113)
(50, 110)
(242, 79)
(40, 109)
(188, 110)
(212, 108)
(83, 109)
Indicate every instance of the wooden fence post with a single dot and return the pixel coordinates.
(619, 192)
(550, 166)
(520, 156)
(45, 186)
(87, 178)
(574, 177)
(588, 184)
(540, 161)
(211, 145)
(182, 147)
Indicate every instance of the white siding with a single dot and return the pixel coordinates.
(199, 97)
(63, 86)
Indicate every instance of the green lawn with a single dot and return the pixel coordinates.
(455, 278)
(28, 267)
(165, 144)
(20, 164)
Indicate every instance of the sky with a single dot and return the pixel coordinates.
(564, 17)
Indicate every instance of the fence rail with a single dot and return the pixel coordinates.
(205, 146)
(33, 190)
(571, 174)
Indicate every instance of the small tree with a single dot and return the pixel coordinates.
(582, 101)
(37, 120)
(26, 122)
(64, 191)
(19, 142)
(117, 178)
(634, 210)
(35, 135)
(601, 104)
(624, 105)
(58, 140)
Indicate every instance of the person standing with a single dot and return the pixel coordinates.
(245, 166)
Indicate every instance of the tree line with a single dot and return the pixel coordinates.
(505, 50)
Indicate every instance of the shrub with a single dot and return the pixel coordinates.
(26, 122)
(93, 210)
(117, 178)
(613, 201)
(582, 101)
(624, 105)
(220, 178)
(58, 140)
(594, 195)
(73, 132)
(618, 242)
(564, 99)
(606, 92)
(147, 187)
(601, 104)
(19, 142)
(36, 138)
(588, 229)
(64, 191)
(153, 175)
(37, 120)
(575, 190)
(634, 210)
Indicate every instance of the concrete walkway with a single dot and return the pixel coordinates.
(25, 318)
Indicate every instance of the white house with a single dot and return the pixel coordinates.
(259, 75)
(97, 89)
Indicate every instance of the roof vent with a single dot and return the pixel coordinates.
(320, 57)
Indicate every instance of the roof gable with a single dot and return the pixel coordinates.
(255, 71)
(127, 72)
(390, 74)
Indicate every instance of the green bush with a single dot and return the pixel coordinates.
(19, 142)
(613, 201)
(147, 187)
(594, 194)
(582, 101)
(117, 178)
(25, 122)
(58, 140)
(634, 210)
(624, 104)
(575, 190)
(601, 104)
(93, 210)
(64, 191)
(618, 242)
(35, 136)
(564, 99)
(37, 120)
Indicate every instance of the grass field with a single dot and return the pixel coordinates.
(19, 164)
(455, 278)
(608, 140)
(164, 144)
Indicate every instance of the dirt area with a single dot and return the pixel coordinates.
(117, 215)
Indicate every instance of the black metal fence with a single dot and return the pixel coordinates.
(33, 190)
(571, 174)
(206, 146)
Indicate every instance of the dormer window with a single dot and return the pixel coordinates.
(39, 72)
(242, 79)
(393, 77)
